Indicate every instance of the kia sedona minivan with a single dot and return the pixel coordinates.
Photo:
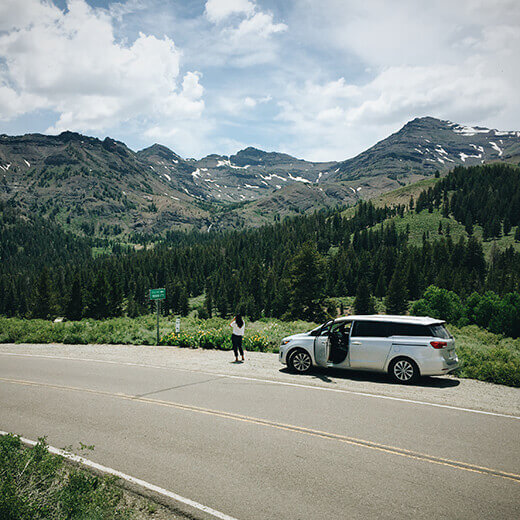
(406, 347)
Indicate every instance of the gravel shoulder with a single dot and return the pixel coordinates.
(445, 390)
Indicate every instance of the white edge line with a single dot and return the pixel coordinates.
(128, 478)
(267, 381)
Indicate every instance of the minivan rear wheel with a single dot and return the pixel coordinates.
(404, 371)
(299, 361)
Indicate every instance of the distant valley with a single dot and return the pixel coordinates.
(102, 187)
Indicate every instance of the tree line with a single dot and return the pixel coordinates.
(284, 270)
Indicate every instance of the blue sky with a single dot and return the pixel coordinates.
(322, 80)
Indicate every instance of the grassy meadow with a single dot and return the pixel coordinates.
(262, 335)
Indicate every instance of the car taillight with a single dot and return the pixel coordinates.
(438, 344)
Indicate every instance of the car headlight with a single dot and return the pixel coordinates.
(285, 341)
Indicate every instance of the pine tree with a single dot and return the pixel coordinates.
(468, 223)
(98, 306)
(306, 284)
(396, 298)
(380, 289)
(517, 234)
(506, 226)
(74, 304)
(184, 304)
(42, 305)
(364, 302)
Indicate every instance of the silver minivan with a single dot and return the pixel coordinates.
(406, 347)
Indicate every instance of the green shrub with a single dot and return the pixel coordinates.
(38, 485)
(439, 303)
(487, 356)
(258, 342)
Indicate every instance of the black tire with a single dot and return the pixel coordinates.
(404, 371)
(299, 361)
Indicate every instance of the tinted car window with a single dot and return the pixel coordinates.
(408, 329)
(370, 329)
(440, 331)
(325, 330)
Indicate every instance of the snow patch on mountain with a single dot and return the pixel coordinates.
(478, 148)
(470, 130)
(496, 147)
(271, 176)
(299, 179)
(227, 162)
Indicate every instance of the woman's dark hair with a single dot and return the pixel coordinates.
(239, 321)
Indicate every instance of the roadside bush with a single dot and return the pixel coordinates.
(38, 485)
(490, 311)
(487, 356)
(180, 339)
(439, 303)
(258, 343)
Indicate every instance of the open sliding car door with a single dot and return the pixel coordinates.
(322, 346)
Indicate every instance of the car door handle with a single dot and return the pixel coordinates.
(357, 343)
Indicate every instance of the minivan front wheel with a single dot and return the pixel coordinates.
(299, 361)
(404, 371)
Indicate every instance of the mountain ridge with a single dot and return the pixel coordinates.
(79, 179)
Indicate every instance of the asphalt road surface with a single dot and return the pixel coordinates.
(272, 446)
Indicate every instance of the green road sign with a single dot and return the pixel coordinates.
(157, 294)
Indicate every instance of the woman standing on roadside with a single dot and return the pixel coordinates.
(238, 327)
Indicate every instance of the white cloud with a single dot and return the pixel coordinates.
(335, 120)
(69, 62)
(400, 60)
(218, 10)
(244, 39)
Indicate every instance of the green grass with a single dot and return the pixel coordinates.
(425, 222)
(487, 356)
(142, 331)
(398, 196)
(36, 484)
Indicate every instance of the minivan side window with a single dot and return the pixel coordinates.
(408, 329)
(370, 329)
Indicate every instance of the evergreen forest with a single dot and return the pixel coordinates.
(291, 269)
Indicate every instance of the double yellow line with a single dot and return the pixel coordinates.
(281, 426)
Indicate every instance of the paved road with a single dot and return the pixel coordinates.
(255, 449)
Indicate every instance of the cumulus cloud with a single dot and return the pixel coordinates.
(246, 38)
(337, 120)
(400, 61)
(218, 10)
(70, 62)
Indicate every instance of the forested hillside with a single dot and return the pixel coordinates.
(485, 195)
(283, 270)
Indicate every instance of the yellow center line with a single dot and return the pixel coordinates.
(286, 427)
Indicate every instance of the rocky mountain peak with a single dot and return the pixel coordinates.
(158, 150)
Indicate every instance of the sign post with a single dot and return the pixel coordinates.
(158, 295)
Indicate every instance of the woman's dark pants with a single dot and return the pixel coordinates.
(237, 345)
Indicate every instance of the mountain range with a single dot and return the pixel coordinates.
(102, 186)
